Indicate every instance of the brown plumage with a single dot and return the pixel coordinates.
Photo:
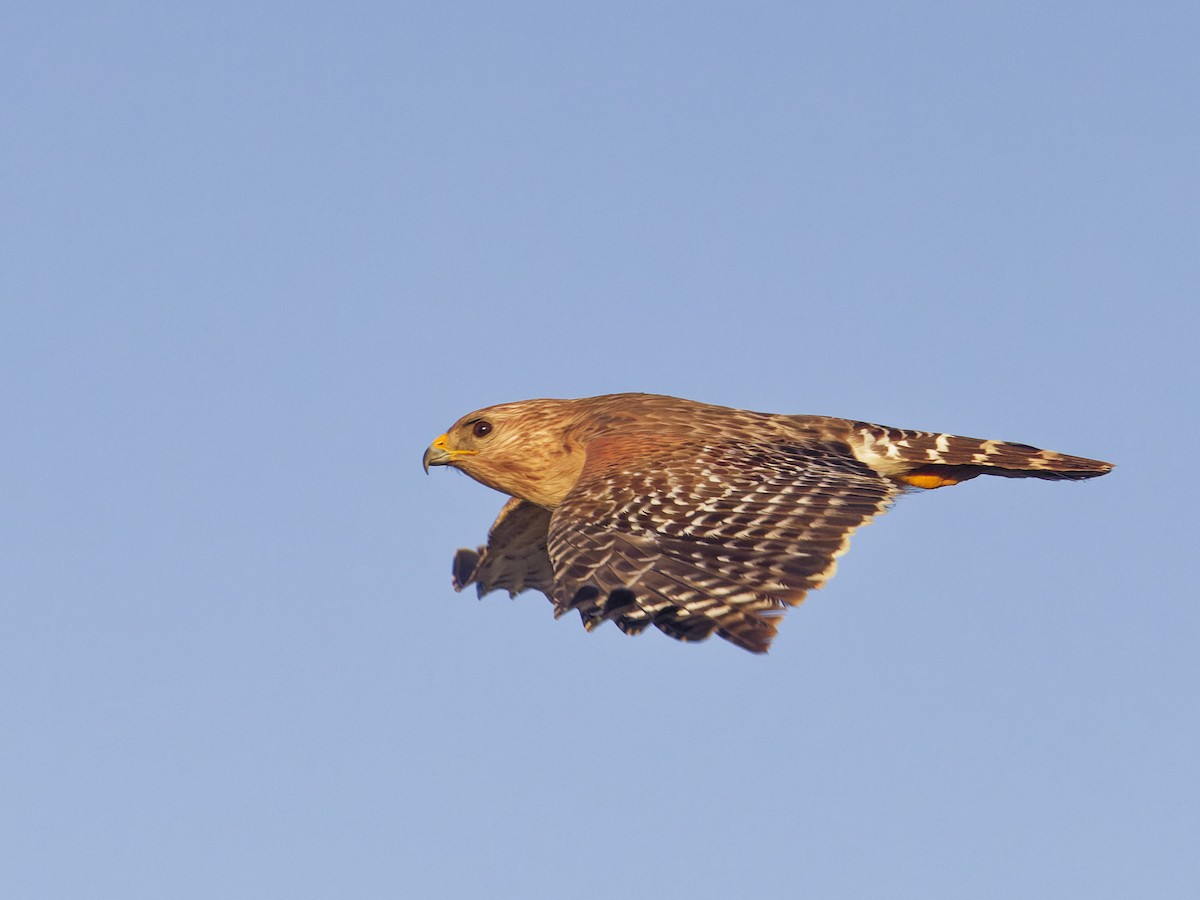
(697, 519)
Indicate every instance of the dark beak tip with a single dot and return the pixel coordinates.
(435, 456)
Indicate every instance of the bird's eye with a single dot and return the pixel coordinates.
(482, 429)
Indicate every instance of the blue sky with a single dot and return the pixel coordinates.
(255, 257)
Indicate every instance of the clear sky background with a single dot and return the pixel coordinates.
(256, 256)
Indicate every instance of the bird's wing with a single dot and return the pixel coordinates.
(697, 538)
(514, 558)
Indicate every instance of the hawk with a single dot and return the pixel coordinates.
(696, 519)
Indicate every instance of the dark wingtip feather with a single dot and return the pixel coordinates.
(466, 563)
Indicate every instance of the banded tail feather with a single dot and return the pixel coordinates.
(927, 459)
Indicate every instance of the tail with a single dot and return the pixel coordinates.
(926, 459)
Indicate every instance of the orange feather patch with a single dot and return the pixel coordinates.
(929, 477)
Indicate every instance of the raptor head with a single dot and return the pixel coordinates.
(530, 449)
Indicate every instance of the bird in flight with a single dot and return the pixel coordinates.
(693, 518)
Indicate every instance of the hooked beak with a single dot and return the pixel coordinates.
(440, 454)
